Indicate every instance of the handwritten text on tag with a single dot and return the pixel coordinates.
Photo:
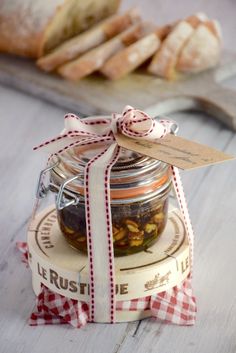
(175, 150)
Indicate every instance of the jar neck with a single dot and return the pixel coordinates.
(135, 179)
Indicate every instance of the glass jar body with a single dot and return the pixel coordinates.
(135, 225)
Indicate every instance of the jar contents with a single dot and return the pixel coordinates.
(135, 226)
(139, 192)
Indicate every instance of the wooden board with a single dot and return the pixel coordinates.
(96, 95)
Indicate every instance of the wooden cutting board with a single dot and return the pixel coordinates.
(97, 95)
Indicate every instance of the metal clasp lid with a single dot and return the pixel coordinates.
(61, 201)
(43, 189)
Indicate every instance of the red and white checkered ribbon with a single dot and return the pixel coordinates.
(134, 124)
(176, 305)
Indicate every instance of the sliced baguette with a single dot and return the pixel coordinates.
(95, 36)
(164, 62)
(203, 49)
(95, 58)
(130, 58)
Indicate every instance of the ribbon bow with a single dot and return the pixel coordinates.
(134, 124)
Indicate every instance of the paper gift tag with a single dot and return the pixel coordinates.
(175, 150)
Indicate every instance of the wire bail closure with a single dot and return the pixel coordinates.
(42, 189)
(61, 199)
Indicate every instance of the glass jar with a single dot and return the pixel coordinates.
(139, 188)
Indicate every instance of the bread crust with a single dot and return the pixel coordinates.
(19, 18)
(25, 24)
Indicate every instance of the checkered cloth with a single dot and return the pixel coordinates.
(23, 248)
(176, 305)
(53, 308)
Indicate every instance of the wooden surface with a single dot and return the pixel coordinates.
(97, 95)
(211, 193)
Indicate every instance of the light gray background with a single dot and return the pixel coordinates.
(211, 193)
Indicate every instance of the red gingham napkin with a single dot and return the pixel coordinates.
(53, 308)
(176, 305)
(23, 248)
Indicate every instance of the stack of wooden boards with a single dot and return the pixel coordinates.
(123, 42)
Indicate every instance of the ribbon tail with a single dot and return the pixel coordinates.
(178, 305)
(99, 235)
(179, 191)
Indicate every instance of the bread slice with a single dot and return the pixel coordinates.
(202, 51)
(95, 36)
(164, 62)
(34, 27)
(133, 56)
(95, 58)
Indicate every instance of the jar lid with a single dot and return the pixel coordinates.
(133, 175)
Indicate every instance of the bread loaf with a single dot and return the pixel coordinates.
(34, 27)
(115, 46)
(95, 58)
(91, 38)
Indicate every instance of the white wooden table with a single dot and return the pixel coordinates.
(211, 193)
